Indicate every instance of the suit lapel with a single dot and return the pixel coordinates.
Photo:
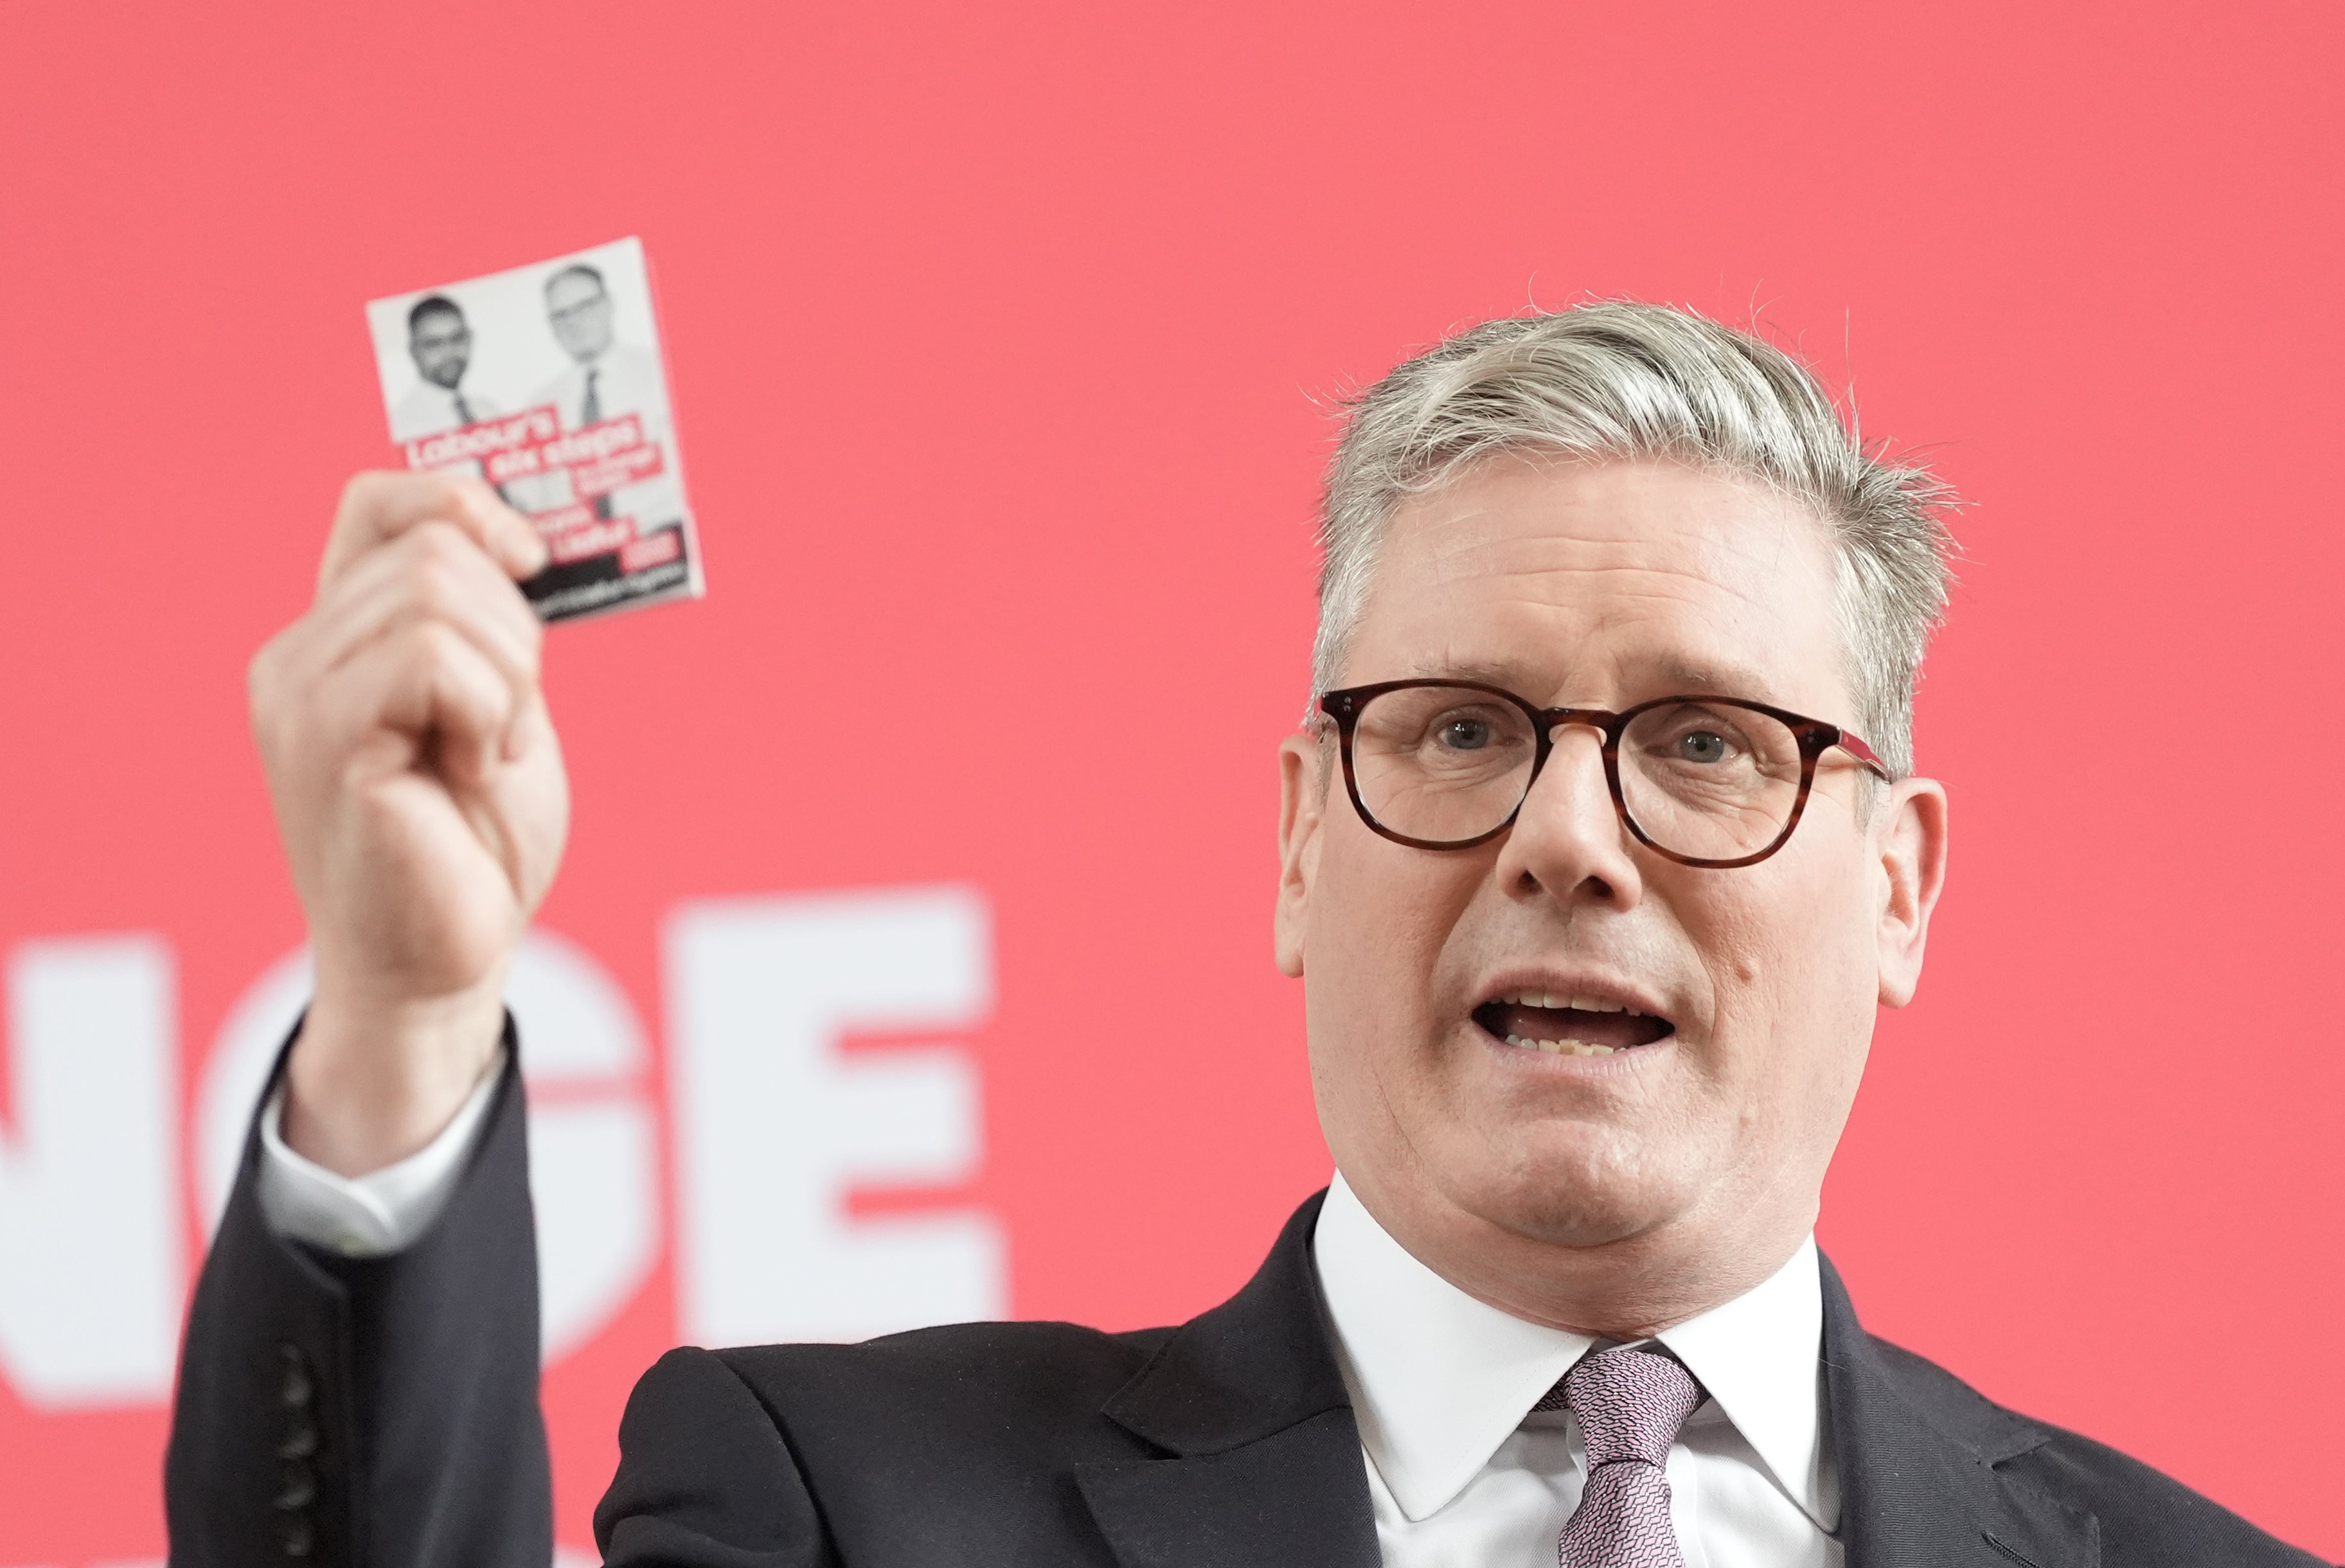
(1262, 1465)
(1918, 1453)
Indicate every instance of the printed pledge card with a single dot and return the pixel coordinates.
(546, 382)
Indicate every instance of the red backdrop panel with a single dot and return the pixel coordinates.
(1003, 340)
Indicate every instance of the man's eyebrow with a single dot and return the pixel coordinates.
(1697, 677)
(1439, 669)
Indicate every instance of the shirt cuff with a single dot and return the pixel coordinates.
(381, 1212)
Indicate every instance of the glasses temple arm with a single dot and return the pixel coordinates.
(1856, 748)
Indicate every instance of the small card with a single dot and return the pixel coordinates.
(546, 382)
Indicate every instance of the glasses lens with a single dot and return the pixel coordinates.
(1709, 780)
(1441, 764)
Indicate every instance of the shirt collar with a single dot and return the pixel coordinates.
(1440, 1380)
(1760, 1358)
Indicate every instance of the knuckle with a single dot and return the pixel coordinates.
(269, 669)
(370, 490)
(261, 679)
(440, 539)
(432, 588)
(436, 642)
(274, 692)
(452, 492)
(436, 558)
(435, 650)
(431, 533)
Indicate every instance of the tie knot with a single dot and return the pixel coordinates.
(1629, 1404)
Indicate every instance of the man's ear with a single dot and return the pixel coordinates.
(1909, 834)
(1302, 802)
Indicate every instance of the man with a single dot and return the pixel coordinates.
(607, 381)
(1598, 854)
(440, 341)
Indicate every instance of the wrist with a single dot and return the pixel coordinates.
(371, 1080)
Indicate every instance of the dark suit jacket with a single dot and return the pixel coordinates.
(383, 1414)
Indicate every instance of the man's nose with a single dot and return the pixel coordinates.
(1569, 841)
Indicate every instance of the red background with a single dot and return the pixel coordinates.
(1002, 339)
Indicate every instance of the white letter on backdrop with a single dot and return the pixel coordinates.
(774, 1125)
(89, 1174)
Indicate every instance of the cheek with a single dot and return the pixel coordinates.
(1793, 981)
(1381, 918)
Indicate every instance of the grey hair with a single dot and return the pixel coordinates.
(1617, 379)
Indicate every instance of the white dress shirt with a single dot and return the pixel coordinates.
(379, 1212)
(429, 408)
(1463, 1474)
(1461, 1471)
(627, 380)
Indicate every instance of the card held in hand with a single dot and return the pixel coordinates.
(546, 382)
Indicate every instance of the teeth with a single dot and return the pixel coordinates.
(1560, 1048)
(1557, 1001)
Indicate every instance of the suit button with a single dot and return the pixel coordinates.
(295, 1536)
(298, 1489)
(295, 1390)
(301, 1440)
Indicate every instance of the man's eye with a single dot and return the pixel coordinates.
(1465, 735)
(1702, 746)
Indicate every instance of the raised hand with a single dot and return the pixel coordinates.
(420, 791)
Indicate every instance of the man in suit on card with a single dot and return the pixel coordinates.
(608, 380)
(1599, 849)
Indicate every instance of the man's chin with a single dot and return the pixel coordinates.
(1582, 1191)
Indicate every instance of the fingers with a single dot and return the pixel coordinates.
(420, 691)
(379, 507)
(424, 683)
(432, 573)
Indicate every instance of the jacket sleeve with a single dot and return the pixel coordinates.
(705, 1477)
(375, 1413)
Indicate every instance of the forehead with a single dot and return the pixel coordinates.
(1606, 582)
(571, 288)
(437, 324)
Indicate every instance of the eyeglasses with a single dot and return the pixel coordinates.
(565, 313)
(1713, 782)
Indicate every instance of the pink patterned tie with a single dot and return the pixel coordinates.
(1629, 1404)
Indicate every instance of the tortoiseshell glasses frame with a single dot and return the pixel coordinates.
(1813, 738)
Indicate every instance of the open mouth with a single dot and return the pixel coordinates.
(1569, 1025)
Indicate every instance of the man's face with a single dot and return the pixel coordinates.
(1600, 586)
(581, 315)
(442, 346)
